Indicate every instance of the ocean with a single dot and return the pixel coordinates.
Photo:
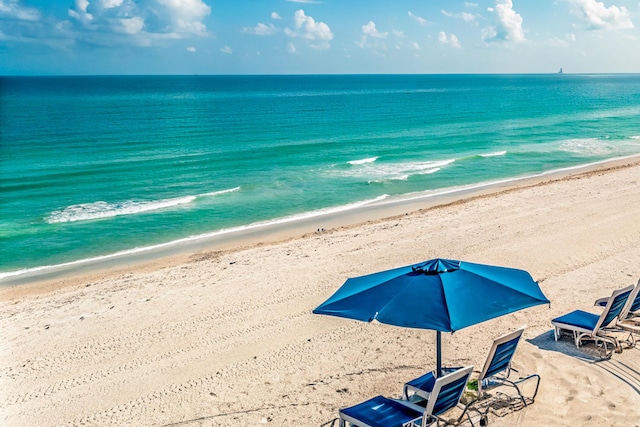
(101, 165)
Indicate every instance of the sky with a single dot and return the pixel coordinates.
(86, 37)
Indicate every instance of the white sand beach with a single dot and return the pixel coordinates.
(227, 337)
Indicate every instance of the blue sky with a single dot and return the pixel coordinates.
(320, 36)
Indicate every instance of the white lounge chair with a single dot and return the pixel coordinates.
(589, 326)
(382, 411)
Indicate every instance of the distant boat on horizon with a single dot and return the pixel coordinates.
(560, 72)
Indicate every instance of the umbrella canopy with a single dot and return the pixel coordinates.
(440, 294)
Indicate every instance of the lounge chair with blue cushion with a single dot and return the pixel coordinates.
(381, 411)
(631, 311)
(629, 318)
(497, 368)
(495, 372)
(590, 326)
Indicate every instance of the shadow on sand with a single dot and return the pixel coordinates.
(591, 354)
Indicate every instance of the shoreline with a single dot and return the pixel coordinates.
(47, 278)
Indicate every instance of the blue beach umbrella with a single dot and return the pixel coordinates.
(440, 294)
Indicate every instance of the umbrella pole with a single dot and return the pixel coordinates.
(438, 354)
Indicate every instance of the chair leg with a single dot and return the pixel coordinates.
(630, 340)
(468, 408)
(604, 339)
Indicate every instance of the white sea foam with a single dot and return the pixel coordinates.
(378, 172)
(488, 184)
(635, 137)
(283, 220)
(101, 209)
(497, 153)
(217, 193)
(363, 161)
(590, 146)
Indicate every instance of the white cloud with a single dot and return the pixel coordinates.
(164, 18)
(415, 45)
(509, 25)
(191, 49)
(317, 34)
(466, 17)
(370, 29)
(141, 22)
(398, 33)
(227, 50)
(80, 12)
(312, 30)
(261, 29)
(185, 16)
(467, 4)
(13, 10)
(274, 15)
(108, 4)
(417, 18)
(128, 25)
(453, 41)
(291, 48)
(450, 40)
(565, 42)
(489, 34)
(599, 17)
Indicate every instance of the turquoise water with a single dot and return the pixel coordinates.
(91, 166)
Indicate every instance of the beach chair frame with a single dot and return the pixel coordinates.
(497, 368)
(604, 323)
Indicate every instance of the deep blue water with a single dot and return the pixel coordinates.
(95, 165)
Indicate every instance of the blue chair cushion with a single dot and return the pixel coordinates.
(425, 382)
(636, 304)
(579, 318)
(382, 412)
(502, 358)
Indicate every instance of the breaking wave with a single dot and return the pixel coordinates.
(102, 210)
(363, 161)
(400, 171)
(495, 154)
(589, 146)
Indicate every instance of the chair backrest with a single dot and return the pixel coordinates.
(447, 391)
(633, 303)
(500, 355)
(613, 308)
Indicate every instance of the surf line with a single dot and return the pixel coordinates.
(128, 252)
